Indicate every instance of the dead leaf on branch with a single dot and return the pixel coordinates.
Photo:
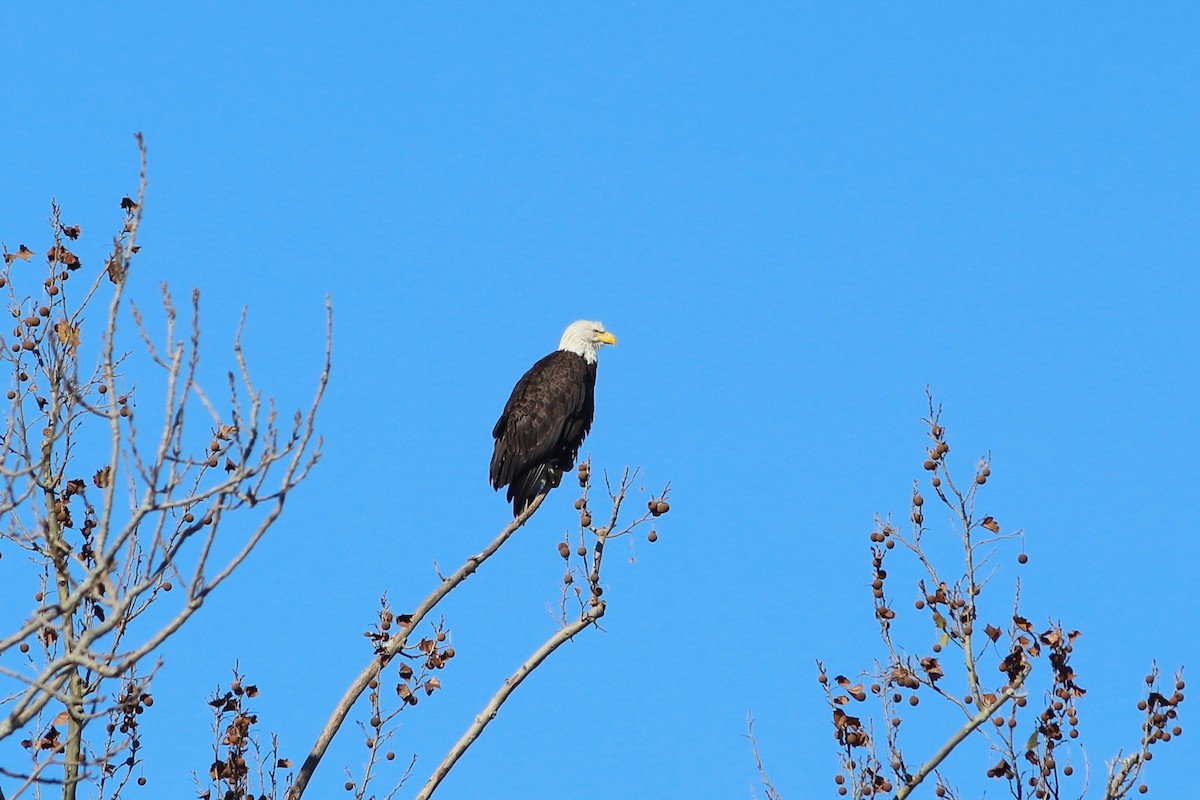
(116, 269)
(57, 254)
(102, 477)
(23, 253)
(71, 231)
(991, 524)
(1013, 664)
(68, 334)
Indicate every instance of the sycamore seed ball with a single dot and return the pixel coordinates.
(564, 550)
(652, 536)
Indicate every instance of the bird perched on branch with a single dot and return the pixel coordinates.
(548, 416)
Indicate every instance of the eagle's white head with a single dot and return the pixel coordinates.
(585, 338)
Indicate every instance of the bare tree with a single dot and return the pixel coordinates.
(582, 606)
(129, 526)
(129, 531)
(1028, 716)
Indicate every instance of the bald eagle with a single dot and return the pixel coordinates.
(548, 415)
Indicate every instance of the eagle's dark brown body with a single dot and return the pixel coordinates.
(543, 426)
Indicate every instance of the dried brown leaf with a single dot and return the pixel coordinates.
(68, 334)
(57, 254)
(102, 477)
(23, 253)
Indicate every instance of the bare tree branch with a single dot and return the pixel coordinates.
(395, 644)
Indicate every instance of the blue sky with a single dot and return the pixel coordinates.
(793, 217)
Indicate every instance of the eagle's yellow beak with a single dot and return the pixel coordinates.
(607, 338)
